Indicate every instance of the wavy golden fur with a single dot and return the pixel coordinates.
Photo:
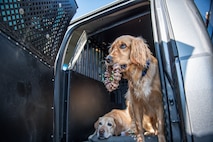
(144, 93)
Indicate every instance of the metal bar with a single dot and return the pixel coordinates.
(58, 72)
(87, 57)
(102, 68)
(99, 65)
(96, 63)
(84, 61)
(90, 61)
(93, 62)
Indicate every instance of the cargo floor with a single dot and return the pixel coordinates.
(123, 139)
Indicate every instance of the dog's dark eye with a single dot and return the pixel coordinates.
(109, 124)
(122, 46)
(100, 123)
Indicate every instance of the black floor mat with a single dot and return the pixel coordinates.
(123, 139)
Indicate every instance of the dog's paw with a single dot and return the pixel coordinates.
(91, 136)
(140, 138)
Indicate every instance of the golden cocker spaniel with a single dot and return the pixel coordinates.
(140, 68)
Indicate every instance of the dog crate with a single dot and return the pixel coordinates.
(80, 96)
(31, 32)
(87, 46)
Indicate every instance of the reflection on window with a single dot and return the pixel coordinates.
(206, 10)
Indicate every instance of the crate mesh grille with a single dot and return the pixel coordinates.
(91, 60)
(38, 25)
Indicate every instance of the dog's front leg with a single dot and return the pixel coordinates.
(139, 123)
(91, 136)
(161, 136)
(138, 119)
(136, 112)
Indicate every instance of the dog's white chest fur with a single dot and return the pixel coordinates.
(146, 87)
(143, 87)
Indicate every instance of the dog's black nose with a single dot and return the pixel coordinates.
(101, 132)
(108, 59)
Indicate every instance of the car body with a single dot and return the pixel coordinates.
(177, 37)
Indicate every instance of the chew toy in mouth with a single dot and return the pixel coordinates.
(112, 77)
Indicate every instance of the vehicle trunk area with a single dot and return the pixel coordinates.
(88, 98)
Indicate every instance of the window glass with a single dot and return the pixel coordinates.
(206, 10)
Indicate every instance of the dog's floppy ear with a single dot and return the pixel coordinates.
(139, 52)
(118, 128)
(96, 124)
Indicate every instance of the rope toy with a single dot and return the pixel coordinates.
(112, 77)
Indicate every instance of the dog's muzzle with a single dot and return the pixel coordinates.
(101, 134)
(109, 59)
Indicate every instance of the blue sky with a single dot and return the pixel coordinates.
(85, 6)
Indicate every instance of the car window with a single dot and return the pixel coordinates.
(206, 11)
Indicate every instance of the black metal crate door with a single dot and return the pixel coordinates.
(37, 24)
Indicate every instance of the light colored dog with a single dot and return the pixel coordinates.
(140, 68)
(113, 123)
